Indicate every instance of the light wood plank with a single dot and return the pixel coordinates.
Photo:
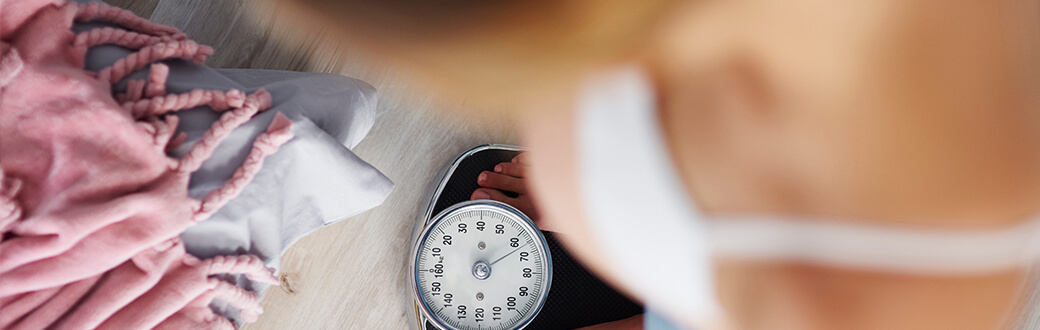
(222, 24)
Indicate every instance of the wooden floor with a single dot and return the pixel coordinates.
(351, 275)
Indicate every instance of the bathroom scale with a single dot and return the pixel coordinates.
(483, 264)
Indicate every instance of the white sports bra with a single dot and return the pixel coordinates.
(662, 247)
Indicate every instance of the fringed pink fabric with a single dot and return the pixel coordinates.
(121, 286)
(267, 143)
(57, 305)
(128, 39)
(97, 11)
(187, 285)
(16, 307)
(182, 49)
(220, 130)
(157, 104)
(10, 211)
(10, 65)
(90, 204)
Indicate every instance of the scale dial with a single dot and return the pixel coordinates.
(481, 265)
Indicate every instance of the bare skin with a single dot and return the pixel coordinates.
(877, 111)
(840, 139)
(783, 295)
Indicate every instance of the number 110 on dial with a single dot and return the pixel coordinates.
(481, 265)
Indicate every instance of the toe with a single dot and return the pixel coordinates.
(522, 203)
(515, 170)
(480, 194)
(493, 194)
(501, 182)
(521, 159)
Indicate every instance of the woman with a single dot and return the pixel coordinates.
(888, 151)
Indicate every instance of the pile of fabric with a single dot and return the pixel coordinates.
(98, 183)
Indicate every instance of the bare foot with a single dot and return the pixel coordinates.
(508, 177)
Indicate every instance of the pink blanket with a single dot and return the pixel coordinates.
(90, 204)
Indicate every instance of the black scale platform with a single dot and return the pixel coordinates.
(576, 297)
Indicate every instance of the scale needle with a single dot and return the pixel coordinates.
(507, 254)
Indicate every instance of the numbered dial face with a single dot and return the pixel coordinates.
(481, 265)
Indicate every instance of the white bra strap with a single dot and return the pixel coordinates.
(891, 249)
(635, 203)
